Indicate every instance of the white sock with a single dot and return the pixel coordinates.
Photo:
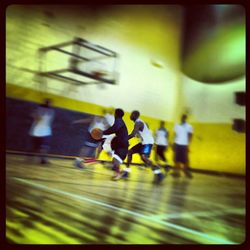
(157, 171)
(79, 159)
(127, 170)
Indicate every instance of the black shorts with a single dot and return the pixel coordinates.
(180, 153)
(41, 142)
(120, 148)
(142, 149)
(160, 149)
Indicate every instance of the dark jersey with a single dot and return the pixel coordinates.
(120, 130)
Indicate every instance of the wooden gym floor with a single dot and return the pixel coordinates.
(59, 204)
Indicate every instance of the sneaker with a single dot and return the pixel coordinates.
(167, 167)
(125, 175)
(176, 174)
(43, 161)
(159, 178)
(78, 164)
(116, 177)
(188, 174)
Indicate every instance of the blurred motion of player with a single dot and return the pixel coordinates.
(183, 136)
(90, 144)
(41, 130)
(161, 143)
(108, 121)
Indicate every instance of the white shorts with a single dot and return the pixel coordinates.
(107, 143)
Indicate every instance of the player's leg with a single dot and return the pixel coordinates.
(99, 149)
(107, 148)
(116, 167)
(134, 150)
(87, 151)
(177, 160)
(161, 152)
(44, 149)
(186, 163)
(118, 158)
(35, 147)
(156, 153)
(145, 154)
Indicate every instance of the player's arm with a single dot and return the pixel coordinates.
(173, 143)
(190, 136)
(167, 135)
(137, 127)
(116, 126)
(83, 121)
(155, 134)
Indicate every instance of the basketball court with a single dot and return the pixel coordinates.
(180, 65)
(60, 204)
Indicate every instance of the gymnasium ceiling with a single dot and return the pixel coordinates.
(214, 43)
(213, 40)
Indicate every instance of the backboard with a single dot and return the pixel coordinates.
(79, 62)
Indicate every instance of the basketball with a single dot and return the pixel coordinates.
(96, 133)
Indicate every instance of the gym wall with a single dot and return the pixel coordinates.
(140, 34)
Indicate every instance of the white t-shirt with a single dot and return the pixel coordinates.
(145, 135)
(103, 123)
(96, 123)
(42, 126)
(110, 119)
(182, 131)
(161, 137)
(108, 122)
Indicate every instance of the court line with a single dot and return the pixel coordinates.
(214, 240)
(198, 213)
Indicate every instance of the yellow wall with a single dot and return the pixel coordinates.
(212, 109)
(217, 147)
(214, 147)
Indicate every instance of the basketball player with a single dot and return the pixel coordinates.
(90, 145)
(41, 130)
(108, 121)
(119, 144)
(161, 142)
(183, 137)
(143, 148)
